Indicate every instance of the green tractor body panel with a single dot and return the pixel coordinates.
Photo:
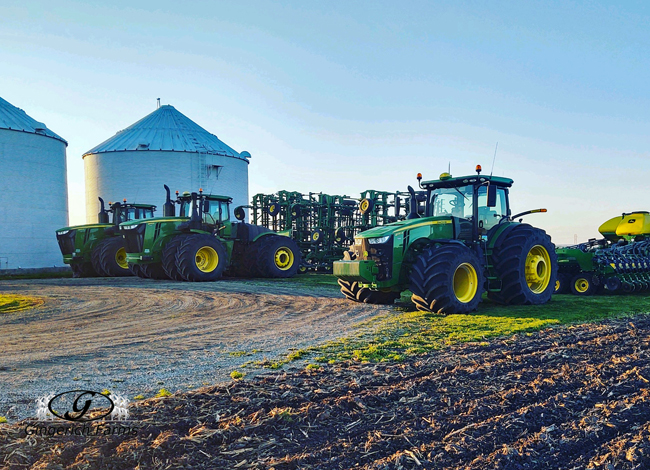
(77, 242)
(456, 242)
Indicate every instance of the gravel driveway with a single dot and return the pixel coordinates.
(135, 336)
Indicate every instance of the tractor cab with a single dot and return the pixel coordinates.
(206, 212)
(479, 201)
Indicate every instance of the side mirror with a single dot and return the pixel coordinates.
(206, 206)
(491, 195)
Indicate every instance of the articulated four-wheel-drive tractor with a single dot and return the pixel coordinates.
(202, 243)
(98, 249)
(465, 243)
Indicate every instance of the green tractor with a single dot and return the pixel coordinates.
(202, 244)
(620, 262)
(98, 249)
(466, 242)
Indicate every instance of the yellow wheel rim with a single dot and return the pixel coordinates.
(207, 259)
(465, 283)
(283, 258)
(557, 286)
(120, 258)
(581, 285)
(316, 236)
(272, 208)
(364, 205)
(538, 269)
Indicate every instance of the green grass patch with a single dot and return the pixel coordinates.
(236, 375)
(3, 419)
(163, 393)
(10, 303)
(406, 332)
(46, 275)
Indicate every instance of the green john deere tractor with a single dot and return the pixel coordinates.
(202, 243)
(466, 242)
(98, 249)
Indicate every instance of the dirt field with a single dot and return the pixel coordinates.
(135, 336)
(563, 398)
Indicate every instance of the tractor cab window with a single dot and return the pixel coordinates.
(455, 202)
(144, 213)
(186, 208)
(215, 211)
(490, 216)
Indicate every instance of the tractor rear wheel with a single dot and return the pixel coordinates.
(525, 261)
(135, 269)
(583, 284)
(447, 279)
(200, 257)
(112, 257)
(82, 270)
(169, 258)
(353, 291)
(275, 256)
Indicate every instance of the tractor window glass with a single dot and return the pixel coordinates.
(455, 202)
(129, 214)
(186, 209)
(146, 213)
(225, 211)
(489, 216)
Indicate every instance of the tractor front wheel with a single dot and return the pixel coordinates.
(353, 291)
(275, 256)
(152, 271)
(112, 257)
(525, 261)
(82, 270)
(447, 279)
(200, 258)
(169, 258)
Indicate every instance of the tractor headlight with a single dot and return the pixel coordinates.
(377, 241)
(62, 232)
(130, 227)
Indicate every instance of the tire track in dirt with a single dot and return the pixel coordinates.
(143, 332)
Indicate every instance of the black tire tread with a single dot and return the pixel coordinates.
(107, 257)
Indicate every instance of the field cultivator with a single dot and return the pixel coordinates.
(324, 225)
(620, 262)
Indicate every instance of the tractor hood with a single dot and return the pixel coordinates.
(401, 226)
(153, 220)
(82, 227)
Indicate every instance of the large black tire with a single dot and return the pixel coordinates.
(521, 252)
(353, 291)
(96, 259)
(82, 270)
(169, 258)
(200, 258)
(152, 271)
(275, 256)
(112, 257)
(562, 283)
(447, 279)
(136, 270)
(583, 284)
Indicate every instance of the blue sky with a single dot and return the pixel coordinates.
(341, 97)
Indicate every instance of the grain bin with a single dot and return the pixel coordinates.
(165, 147)
(33, 191)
